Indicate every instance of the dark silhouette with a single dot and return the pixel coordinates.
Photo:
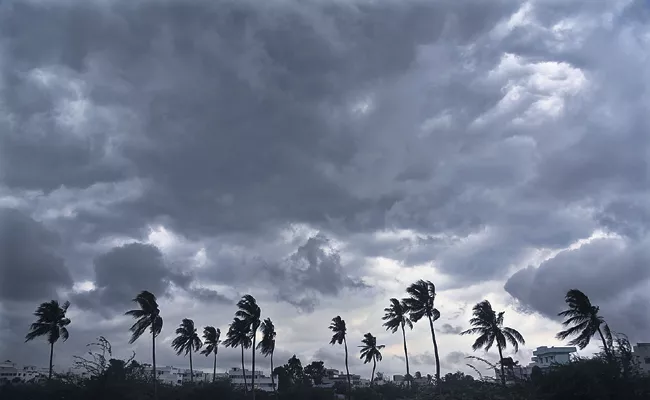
(250, 312)
(51, 322)
(187, 341)
(316, 372)
(422, 295)
(370, 352)
(489, 325)
(266, 346)
(396, 317)
(239, 335)
(148, 317)
(584, 322)
(211, 341)
(338, 327)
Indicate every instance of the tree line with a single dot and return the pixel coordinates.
(581, 320)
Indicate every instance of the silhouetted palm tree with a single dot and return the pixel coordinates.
(422, 295)
(489, 325)
(239, 335)
(397, 317)
(267, 344)
(148, 317)
(584, 321)
(250, 312)
(187, 341)
(370, 352)
(211, 341)
(338, 327)
(51, 322)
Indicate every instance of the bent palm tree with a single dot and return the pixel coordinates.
(187, 341)
(397, 317)
(489, 325)
(584, 321)
(51, 322)
(267, 344)
(338, 327)
(422, 295)
(211, 341)
(148, 317)
(250, 312)
(370, 352)
(239, 335)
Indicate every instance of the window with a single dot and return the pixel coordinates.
(647, 360)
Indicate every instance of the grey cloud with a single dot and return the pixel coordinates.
(30, 266)
(613, 272)
(125, 271)
(448, 329)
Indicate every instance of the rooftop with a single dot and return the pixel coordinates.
(553, 350)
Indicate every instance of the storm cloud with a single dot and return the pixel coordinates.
(322, 156)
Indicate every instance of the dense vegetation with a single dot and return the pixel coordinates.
(611, 374)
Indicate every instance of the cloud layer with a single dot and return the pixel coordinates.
(322, 156)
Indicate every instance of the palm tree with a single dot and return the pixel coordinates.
(211, 341)
(148, 317)
(584, 320)
(267, 344)
(187, 341)
(370, 351)
(422, 295)
(50, 321)
(250, 312)
(489, 325)
(239, 335)
(397, 317)
(338, 327)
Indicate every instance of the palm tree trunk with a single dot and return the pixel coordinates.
(374, 365)
(347, 369)
(503, 373)
(243, 371)
(605, 347)
(191, 369)
(435, 351)
(153, 364)
(406, 355)
(49, 376)
(272, 377)
(214, 368)
(253, 374)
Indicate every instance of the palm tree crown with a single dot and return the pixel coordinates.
(239, 335)
(583, 319)
(396, 316)
(148, 316)
(420, 303)
(338, 328)
(211, 340)
(370, 351)
(267, 345)
(50, 321)
(489, 326)
(187, 340)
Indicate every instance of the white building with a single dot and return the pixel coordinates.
(544, 356)
(642, 353)
(177, 376)
(10, 372)
(262, 382)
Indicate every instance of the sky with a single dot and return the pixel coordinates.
(322, 156)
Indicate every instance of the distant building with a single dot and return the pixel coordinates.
(543, 357)
(334, 375)
(12, 372)
(642, 353)
(262, 382)
(177, 376)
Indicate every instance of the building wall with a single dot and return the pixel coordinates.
(642, 353)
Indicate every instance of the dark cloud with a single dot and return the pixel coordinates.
(30, 266)
(448, 329)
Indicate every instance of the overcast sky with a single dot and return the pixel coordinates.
(322, 155)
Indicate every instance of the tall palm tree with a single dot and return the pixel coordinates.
(239, 335)
(397, 317)
(267, 344)
(338, 327)
(250, 312)
(148, 317)
(584, 321)
(370, 352)
(51, 322)
(489, 326)
(187, 341)
(211, 340)
(422, 295)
